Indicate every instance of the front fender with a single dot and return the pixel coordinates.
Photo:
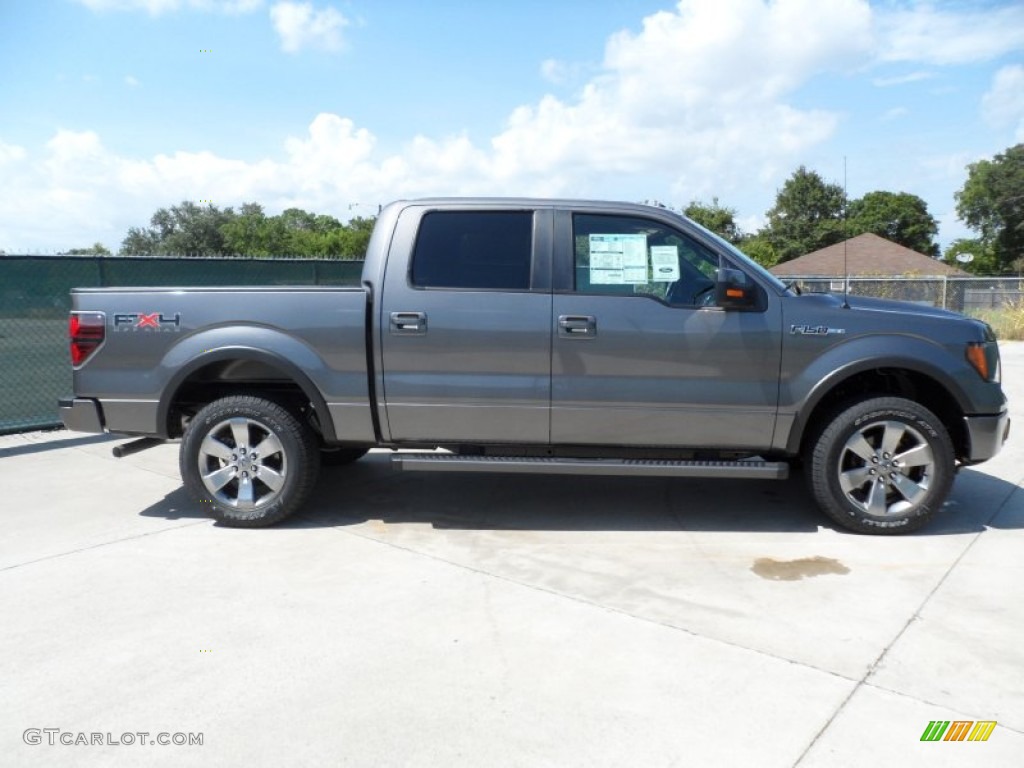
(807, 378)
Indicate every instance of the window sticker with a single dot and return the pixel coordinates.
(618, 259)
(665, 263)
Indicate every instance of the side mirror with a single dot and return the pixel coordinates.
(734, 290)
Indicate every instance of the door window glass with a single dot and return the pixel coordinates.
(474, 249)
(631, 256)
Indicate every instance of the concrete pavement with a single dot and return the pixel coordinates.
(440, 620)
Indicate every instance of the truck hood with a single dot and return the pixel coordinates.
(905, 307)
(869, 304)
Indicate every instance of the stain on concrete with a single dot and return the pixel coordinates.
(794, 570)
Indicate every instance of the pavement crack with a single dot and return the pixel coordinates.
(937, 705)
(591, 604)
(100, 544)
(914, 617)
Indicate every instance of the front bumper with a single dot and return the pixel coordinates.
(80, 414)
(986, 435)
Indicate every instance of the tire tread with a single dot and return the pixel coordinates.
(305, 462)
(837, 424)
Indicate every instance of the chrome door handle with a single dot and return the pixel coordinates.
(577, 326)
(409, 323)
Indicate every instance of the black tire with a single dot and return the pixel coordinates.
(881, 466)
(340, 457)
(289, 461)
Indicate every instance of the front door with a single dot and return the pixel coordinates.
(641, 355)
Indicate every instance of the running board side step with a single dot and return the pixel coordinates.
(443, 462)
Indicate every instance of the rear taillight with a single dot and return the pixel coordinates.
(86, 330)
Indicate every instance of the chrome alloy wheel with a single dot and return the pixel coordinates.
(886, 468)
(242, 463)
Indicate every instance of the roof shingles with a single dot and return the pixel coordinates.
(866, 255)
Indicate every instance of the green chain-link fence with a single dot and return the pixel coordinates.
(35, 368)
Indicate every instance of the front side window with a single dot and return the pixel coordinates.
(631, 256)
(484, 250)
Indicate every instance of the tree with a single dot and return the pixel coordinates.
(982, 261)
(251, 233)
(760, 249)
(897, 216)
(97, 249)
(991, 202)
(140, 242)
(716, 217)
(359, 230)
(182, 230)
(190, 230)
(807, 215)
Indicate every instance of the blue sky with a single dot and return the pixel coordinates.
(110, 109)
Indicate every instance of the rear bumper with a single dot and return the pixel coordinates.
(986, 435)
(80, 414)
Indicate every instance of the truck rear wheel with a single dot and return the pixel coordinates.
(883, 465)
(248, 461)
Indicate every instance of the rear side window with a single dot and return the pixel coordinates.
(489, 250)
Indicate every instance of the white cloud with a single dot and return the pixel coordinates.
(301, 26)
(910, 77)
(560, 72)
(157, 7)
(693, 104)
(131, 81)
(700, 101)
(554, 71)
(690, 98)
(9, 153)
(956, 34)
(894, 114)
(1003, 105)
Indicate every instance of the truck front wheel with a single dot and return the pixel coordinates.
(883, 465)
(248, 461)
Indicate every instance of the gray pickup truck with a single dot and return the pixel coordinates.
(543, 336)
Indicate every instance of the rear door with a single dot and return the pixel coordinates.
(465, 325)
(641, 354)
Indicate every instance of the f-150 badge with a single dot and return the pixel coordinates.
(816, 330)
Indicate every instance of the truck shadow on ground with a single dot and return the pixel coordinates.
(30, 448)
(371, 490)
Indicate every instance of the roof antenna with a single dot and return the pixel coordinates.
(846, 232)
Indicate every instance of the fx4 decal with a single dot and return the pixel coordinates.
(142, 321)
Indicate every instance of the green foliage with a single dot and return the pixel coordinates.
(759, 247)
(897, 216)
(140, 242)
(716, 217)
(984, 261)
(188, 230)
(807, 215)
(97, 249)
(991, 202)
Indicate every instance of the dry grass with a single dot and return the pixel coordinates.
(1007, 321)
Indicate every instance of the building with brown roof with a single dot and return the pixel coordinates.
(866, 255)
